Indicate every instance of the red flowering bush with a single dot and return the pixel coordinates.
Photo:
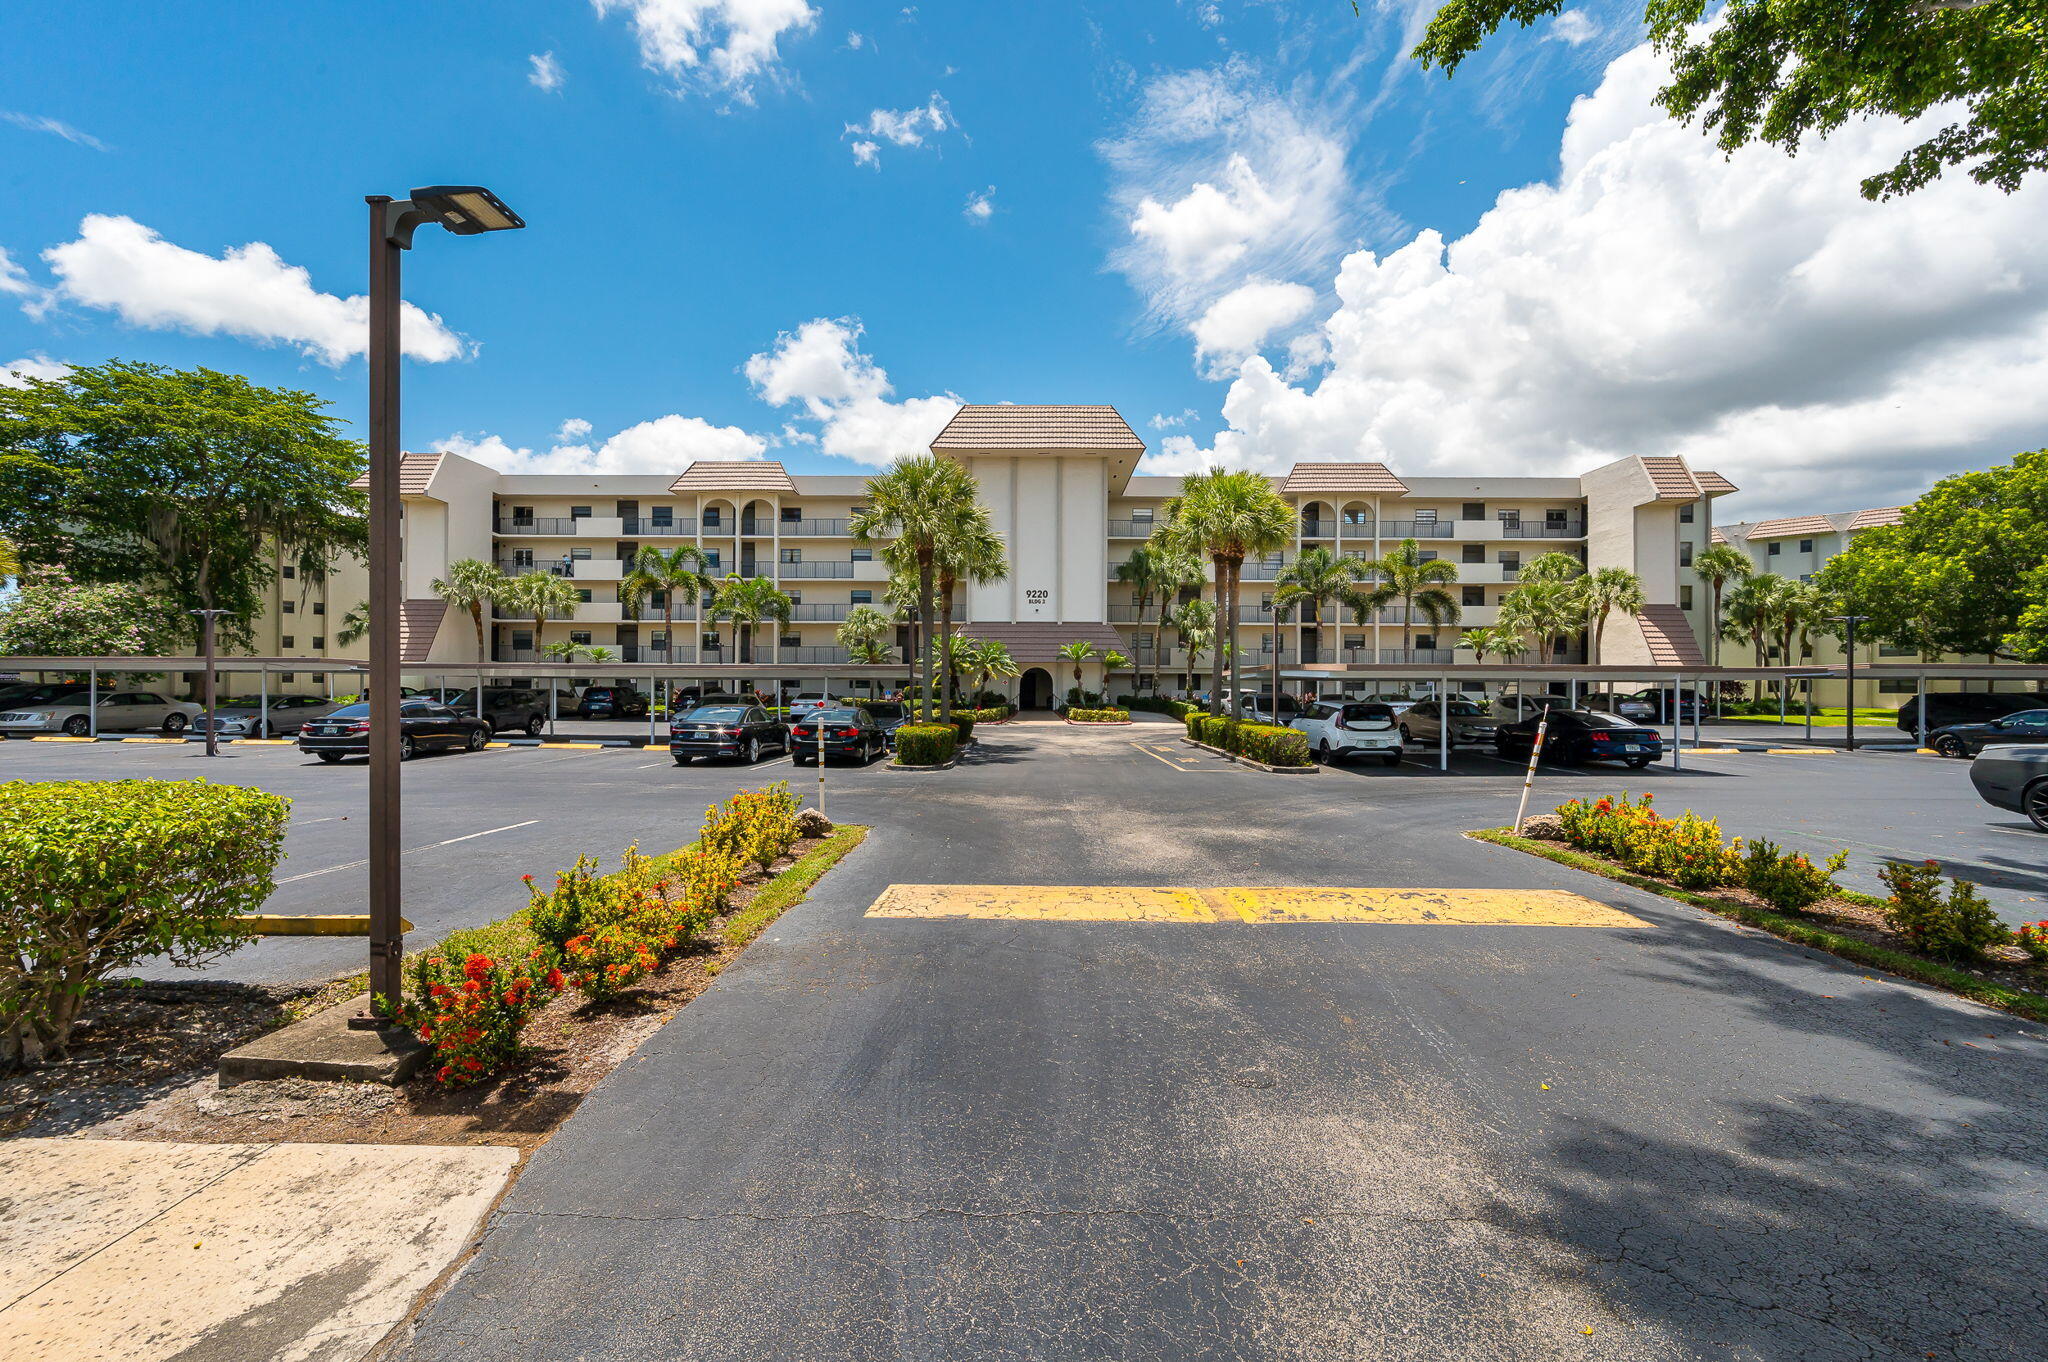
(1688, 851)
(605, 963)
(2032, 937)
(472, 1014)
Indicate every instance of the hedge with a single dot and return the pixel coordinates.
(926, 744)
(1267, 743)
(1158, 704)
(1098, 716)
(963, 723)
(97, 875)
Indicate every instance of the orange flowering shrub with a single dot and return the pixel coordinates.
(605, 963)
(2032, 937)
(560, 913)
(1688, 851)
(471, 1015)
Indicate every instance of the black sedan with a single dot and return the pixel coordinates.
(2014, 778)
(742, 731)
(1947, 709)
(1577, 735)
(1966, 740)
(889, 715)
(424, 726)
(611, 702)
(849, 733)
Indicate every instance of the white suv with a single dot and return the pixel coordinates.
(1339, 730)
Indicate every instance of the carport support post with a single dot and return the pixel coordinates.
(479, 692)
(552, 696)
(1677, 730)
(263, 701)
(92, 700)
(1443, 724)
(1921, 722)
(653, 693)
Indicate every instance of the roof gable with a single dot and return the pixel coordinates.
(1007, 425)
(1309, 478)
(734, 475)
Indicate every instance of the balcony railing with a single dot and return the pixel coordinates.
(1132, 529)
(821, 612)
(817, 567)
(1531, 529)
(1407, 529)
(810, 655)
(540, 525)
(512, 567)
(644, 527)
(1318, 529)
(815, 528)
(1263, 571)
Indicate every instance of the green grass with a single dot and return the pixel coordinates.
(792, 886)
(2019, 1002)
(1820, 716)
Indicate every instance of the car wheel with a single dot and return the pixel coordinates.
(175, 723)
(1949, 745)
(682, 758)
(753, 751)
(1406, 736)
(477, 738)
(2034, 803)
(405, 747)
(1391, 759)
(1322, 753)
(77, 725)
(536, 726)
(331, 758)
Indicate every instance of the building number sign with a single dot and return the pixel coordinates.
(1037, 595)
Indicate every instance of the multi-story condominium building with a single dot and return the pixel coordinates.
(1060, 484)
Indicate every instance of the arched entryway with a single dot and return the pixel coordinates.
(1034, 689)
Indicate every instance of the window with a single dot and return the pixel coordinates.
(1425, 640)
(711, 555)
(792, 555)
(792, 514)
(288, 641)
(522, 638)
(663, 517)
(1425, 517)
(579, 513)
(1774, 550)
(1143, 513)
(319, 641)
(1474, 595)
(1685, 598)
(790, 641)
(290, 572)
(1896, 687)
(522, 515)
(795, 597)
(1475, 553)
(1557, 516)
(863, 555)
(579, 555)
(1354, 641)
(1473, 510)
(1806, 546)
(709, 642)
(1509, 518)
(1685, 553)
(1685, 514)
(579, 636)
(863, 598)
(657, 639)
(1427, 556)
(288, 608)
(1894, 650)
(658, 601)
(711, 516)
(319, 607)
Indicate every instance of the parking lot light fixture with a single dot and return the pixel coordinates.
(465, 210)
(1849, 623)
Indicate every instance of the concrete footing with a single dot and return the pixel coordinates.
(325, 1047)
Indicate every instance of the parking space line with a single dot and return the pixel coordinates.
(357, 865)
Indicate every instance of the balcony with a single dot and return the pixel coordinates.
(1534, 529)
(1132, 529)
(1407, 529)
(815, 529)
(1264, 570)
(1318, 529)
(817, 567)
(1130, 614)
(512, 567)
(811, 656)
(642, 527)
(823, 612)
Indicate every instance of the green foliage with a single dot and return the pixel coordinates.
(53, 616)
(1098, 716)
(1787, 881)
(1688, 852)
(97, 875)
(1780, 71)
(2032, 937)
(185, 483)
(556, 915)
(1158, 704)
(471, 1008)
(1268, 743)
(926, 744)
(1418, 583)
(1225, 517)
(1958, 927)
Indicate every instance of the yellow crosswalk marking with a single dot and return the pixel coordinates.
(1258, 906)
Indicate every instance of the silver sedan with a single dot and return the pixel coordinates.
(123, 710)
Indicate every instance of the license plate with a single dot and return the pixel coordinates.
(1631, 747)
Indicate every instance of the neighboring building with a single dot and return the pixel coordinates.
(1059, 482)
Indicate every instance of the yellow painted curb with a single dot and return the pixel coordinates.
(161, 742)
(579, 746)
(1799, 751)
(1256, 906)
(1711, 751)
(266, 742)
(59, 737)
(311, 924)
(497, 744)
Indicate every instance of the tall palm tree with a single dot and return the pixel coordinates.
(863, 633)
(746, 601)
(1717, 565)
(915, 503)
(683, 571)
(1077, 653)
(970, 551)
(1112, 661)
(541, 594)
(1173, 570)
(1318, 579)
(959, 657)
(1404, 575)
(1544, 612)
(472, 584)
(1228, 517)
(867, 653)
(1140, 572)
(991, 659)
(1609, 589)
(1748, 611)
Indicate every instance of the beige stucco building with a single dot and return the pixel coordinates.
(1061, 485)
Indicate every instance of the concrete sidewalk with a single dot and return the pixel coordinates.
(131, 1250)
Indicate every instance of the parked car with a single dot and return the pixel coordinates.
(1947, 708)
(803, 702)
(741, 731)
(1966, 740)
(1512, 709)
(2014, 778)
(1577, 735)
(1257, 707)
(851, 733)
(1654, 705)
(507, 708)
(889, 715)
(1422, 724)
(1339, 730)
(611, 702)
(244, 717)
(30, 693)
(72, 713)
(424, 725)
(1398, 703)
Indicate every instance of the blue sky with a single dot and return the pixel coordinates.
(753, 231)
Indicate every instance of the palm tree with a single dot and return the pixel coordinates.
(1316, 579)
(959, 655)
(916, 503)
(867, 653)
(1404, 575)
(1554, 566)
(1172, 571)
(1542, 612)
(1493, 641)
(541, 594)
(1717, 565)
(1112, 661)
(1748, 611)
(862, 634)
(969, 551)
(470, 585)
(571, 653)
(991, 659)
(1228, 517)
(355, 622)
(1195, 621)
(681, 571)
(1077, 653)
(1607, 590)
(1140, 572)
(746, 601)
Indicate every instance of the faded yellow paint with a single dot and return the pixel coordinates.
(1257, 906)
(311, 924)
(1042, 903)
(1799, 751)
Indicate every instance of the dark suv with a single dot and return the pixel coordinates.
(1947, 707)
(611, 702)
(507, 708)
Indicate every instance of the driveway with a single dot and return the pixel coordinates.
(917, 1137)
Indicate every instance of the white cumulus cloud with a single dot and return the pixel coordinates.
(1574, 26)
(120, 266)
(726, 44)
(546, 73)
(14, 280)
(902, 127)
(30, 366)
(1237, 325)
(981, 205)
(665, 444)
(1753, 313)
(843, 395)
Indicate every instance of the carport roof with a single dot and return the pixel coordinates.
(1036, 644)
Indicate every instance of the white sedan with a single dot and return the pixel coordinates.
(121, 710)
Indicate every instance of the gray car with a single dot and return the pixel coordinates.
(1471, 723)
(2015, 778)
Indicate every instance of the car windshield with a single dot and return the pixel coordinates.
(1600, 718)
(886, 710)
(1465, 709)
(718, 714)
(43, 695)
(351, 712)
(1368, 716)
(837, 716)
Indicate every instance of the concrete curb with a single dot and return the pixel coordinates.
(1255, 765)
(1097, 723)
(894, 765)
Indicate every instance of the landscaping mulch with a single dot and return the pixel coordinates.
(573, 1044)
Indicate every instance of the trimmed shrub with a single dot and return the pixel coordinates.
(471, 1010)
(963, 725)
(560, 914)
(1787, 881)
(1959, 927)
(926, 744)
(97, 875)
(1158, 704)
(767, 823)
(1273, 744)
(1099, 716)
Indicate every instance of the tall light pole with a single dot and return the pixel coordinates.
(206, 619)
(1849, 623)
(464, 210)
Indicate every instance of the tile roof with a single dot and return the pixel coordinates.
(734, 475)
(1788, 527)
(1883, 515)
(1035, 643)
(1719, 538)
(1671, 478)
(1306, 478)
(1669, 636)
(418, 623)
(1714, 485)
(415, 471)
(1009, 425)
